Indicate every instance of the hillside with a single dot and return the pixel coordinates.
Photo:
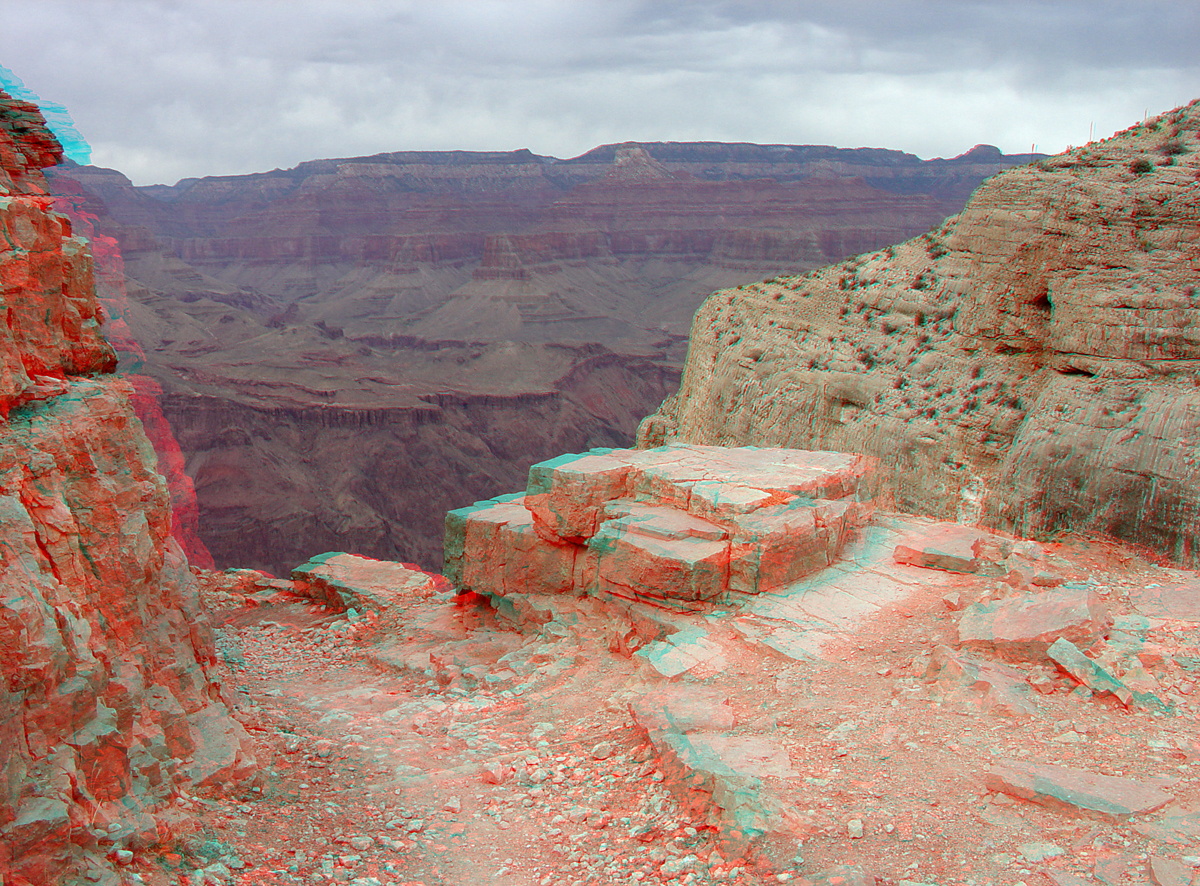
(1031, 362)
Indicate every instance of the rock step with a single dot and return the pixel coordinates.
(680, 526)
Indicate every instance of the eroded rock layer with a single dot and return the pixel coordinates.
(681, 527)
(108, 707)
(1032, 362)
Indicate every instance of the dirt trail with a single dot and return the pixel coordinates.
(498, 757)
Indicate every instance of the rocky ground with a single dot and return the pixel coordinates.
(519, 758)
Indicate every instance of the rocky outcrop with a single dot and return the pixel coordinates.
(1031, 363)
(110, 706)
(681, 527)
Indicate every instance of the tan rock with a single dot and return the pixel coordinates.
(678, 526)
(1032, 359)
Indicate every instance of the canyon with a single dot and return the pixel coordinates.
(753, 649)
(350, 348)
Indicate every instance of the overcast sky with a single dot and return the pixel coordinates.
(166, 89)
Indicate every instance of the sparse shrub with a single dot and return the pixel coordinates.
(1140, 166)
(919, 318)
(936, 249)
(976, 371)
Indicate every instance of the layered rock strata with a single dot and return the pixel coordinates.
(327, 331)
(110, 705)
(682, 527)
(1034, 362)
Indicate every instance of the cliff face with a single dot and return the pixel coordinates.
(1031, 362)
(108, 706)
(377, 244)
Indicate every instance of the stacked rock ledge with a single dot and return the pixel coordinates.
(677, 529)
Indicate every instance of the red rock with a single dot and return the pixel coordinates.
(346, 581)
(567, 494)
(996, 687)
(1028, 624)
(1110, 867)
(108, 656)
(1062, 787)
(1069, 657)
(840, 875)
(682, 709)
(1179, 600)
(1169, 872)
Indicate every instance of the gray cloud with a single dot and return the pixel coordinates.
(164, 89)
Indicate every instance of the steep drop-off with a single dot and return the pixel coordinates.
(110, 705)
(351, 347)
(1034, 362)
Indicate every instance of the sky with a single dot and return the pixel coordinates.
(168, 89)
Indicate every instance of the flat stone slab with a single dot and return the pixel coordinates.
(1030, 623)
(683, 651)
(718, 753)
(684, 527)
(347, 581)
(952, 547)
(682, 709)
(1177, 600)
(1063, 787)
(1179, 824)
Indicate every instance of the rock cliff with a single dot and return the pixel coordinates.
(110, 705)
(1031, 362)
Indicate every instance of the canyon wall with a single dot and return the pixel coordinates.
(351, 347)
(1033, 363)
(110, 706)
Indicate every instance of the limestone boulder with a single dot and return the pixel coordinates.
(1028, 624)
